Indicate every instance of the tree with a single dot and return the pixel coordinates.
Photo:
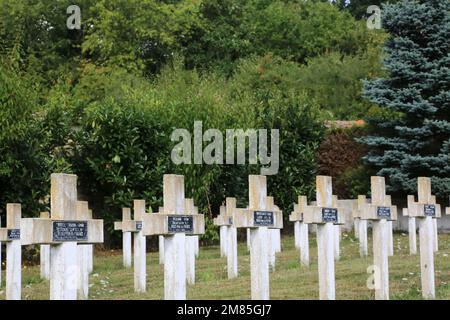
(413, 138)
(358, 8)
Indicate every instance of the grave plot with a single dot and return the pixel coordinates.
(301, 235)
(221, 221)
(258, 219)
(361, 225)
(379, 212)
(228, 235)
(174, 224)
(425, 210)
(62, 231)
(325, 215)
(44, 253)
(127, 226)
(412, 227)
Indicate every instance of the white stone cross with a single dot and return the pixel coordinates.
(274, 235)
(90, 249)
(139, 246)
(161, 242)
(325, 215)
(301, 236)
(447, 210)
(337, 230)
(232, 257)
(12, 236)
(83, 255)
(412, 228)
(225, 220)
(435, 229)
(222, 223)
(190, 245)
(62, 231)
(45, 253)
(127, 225)
(258, 218)
(390, 230)
(425, 210)
(174, 224)
(362, 226)
(380, 211)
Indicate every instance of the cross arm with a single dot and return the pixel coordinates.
(168, 224)
(421, 210)
(245, 218)
(320, 215)
(378, 212)
(49, 231)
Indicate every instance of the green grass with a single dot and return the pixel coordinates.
(289, 281)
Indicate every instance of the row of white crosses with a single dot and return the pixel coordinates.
(67, 233)
(381, 212)
(179, 223)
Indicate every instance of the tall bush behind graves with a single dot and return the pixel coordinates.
(414, 139)
(23, 155)
(122, 146)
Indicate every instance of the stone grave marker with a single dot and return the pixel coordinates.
(362, 226)
(174, 224)
(272, 236)
(190, 245)
(379, 212)
(337, 231)
(390, 230)
(232, 257)
(425, 210)
(126, 226)
(435, 229)
(258, 219)
(222, 224)
(45, 253)
(11, 235)
(325, 215)
(139, 247)
(225, 219)
(412, 228)
(83, 254)
(301, 236)
(90, 249)
(161, 242)
(62, 231)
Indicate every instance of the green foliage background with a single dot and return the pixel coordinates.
(103, 101)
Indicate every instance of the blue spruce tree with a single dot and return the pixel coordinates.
(414, 139)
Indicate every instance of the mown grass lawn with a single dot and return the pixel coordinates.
(289, 281)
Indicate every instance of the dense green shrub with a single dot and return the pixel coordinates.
(121, 147)
(24, 162)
